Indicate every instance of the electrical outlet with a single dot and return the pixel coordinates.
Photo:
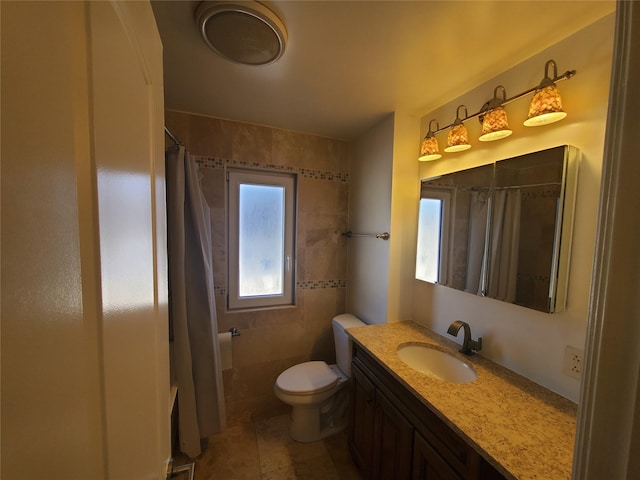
(573, 362)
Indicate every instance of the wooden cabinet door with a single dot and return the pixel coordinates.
(361, 420)
(488, 472)
(428, 464)
(393, 442)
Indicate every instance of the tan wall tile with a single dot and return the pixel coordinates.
(178, 125)
(318, 196)
(208, 137)
(250, 143)
(272, 340)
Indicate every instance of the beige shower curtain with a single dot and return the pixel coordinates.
(478, 211)
(193, 322)
(505, 242)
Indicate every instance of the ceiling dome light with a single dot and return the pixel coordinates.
(429, 149)
(494, 122)
(546, 104)
(458, 138)
(243, 32)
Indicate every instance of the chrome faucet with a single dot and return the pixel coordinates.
(468, 345)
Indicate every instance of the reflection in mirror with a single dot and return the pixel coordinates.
(434, 211)
(501, 230)
(461, 202)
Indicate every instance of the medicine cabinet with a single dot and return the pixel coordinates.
(502, 230)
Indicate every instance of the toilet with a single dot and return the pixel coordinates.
(318, 392)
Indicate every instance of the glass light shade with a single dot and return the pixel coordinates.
(495, 125)
(429, 149)
(458, 139)
(545, 107)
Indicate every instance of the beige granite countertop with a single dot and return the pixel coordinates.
(520, 427)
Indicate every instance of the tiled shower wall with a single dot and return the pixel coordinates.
(275, 339)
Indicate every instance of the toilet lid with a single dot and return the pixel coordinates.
(307, 377)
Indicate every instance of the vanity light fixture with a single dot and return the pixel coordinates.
(545, 108)
(494, 122)
(546, 104)
(429, 150)
(458, 138)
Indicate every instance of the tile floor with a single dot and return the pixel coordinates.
(262, 450)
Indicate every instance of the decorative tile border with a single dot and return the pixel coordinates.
(308, 285)
(545, 279)
(317, 284)
(323, 175)
(213, 162)
(531, 192)
(538, 194)
(520, 277)
(458, 276)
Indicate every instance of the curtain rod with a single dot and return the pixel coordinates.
(511, 187)
(174, 139)
(383, 236)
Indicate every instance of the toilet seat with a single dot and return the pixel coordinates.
(307, 378)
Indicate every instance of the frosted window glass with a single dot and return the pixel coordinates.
(261, 240)
(429, 237)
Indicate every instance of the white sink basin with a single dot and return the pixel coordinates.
(436, 363)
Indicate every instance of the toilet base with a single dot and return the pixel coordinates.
(312, 423)
(304, 425)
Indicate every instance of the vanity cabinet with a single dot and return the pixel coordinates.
(362, 420)
(428, 464)
(392, 440)
(392, 435)
(380, 437)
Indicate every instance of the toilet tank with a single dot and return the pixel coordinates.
(343, 345)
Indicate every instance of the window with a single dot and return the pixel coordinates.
(433, 228)
(260, 238)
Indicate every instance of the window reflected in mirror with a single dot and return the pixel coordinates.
(433, 220)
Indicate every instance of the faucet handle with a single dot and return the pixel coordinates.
(468, 344)
(476, 345)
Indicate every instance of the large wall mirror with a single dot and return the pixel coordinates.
(502, 230)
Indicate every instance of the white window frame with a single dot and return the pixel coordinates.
(235, 178)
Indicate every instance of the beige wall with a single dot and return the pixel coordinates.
(273, 340)
(370, 212)
(50, 416)
(529, 342)
(402, 245)
(382, 197)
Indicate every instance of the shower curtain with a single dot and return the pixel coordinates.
(193, 322)
(505, 241)
(478, 211)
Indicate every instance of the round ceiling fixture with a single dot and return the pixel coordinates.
(243, 32)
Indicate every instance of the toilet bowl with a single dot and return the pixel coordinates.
(317, 391)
